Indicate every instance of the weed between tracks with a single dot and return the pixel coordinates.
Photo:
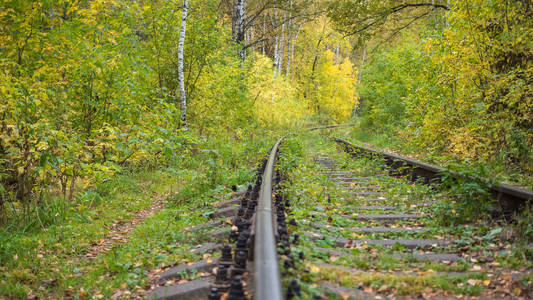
(488, 263)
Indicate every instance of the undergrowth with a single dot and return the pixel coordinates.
(42, 252)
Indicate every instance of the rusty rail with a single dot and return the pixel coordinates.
(511, 199)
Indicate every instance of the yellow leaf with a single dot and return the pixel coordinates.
(314, 269)
(83, 293)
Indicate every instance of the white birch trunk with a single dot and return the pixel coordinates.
(281, 46)
(289, 36)
(240, 19)
(276, 58)
(181, 77)
(289, 46)
(290, 57)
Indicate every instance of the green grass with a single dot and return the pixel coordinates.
(315, 199)
(403, 285)
(52, 260)
(47, 259)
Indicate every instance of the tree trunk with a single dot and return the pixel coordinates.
(289, 39)
(362, 64)
(181, 77)
(359, 76)
(264, 41)
(447, 19)
(281, 48)
(276, 57)
(289, 45)
(290, 56)
(251, 38)
(238, 27)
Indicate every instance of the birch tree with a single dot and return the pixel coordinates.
(281, 48)
(290, 55)
(181, 77)
(276, 55)
(359, 76)
(239, 30)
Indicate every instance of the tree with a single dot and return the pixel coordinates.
(181, 77)
(261, 22)
(365, 19)
(239, 31)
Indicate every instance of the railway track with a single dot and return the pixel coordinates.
(337, 227)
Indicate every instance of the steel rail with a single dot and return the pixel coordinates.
(511, 198)
(330, 126)
(267, 277)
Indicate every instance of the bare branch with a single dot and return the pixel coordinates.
(406, 5)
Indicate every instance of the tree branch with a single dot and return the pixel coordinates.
(406, 5)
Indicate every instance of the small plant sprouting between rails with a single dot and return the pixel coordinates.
(466, 195)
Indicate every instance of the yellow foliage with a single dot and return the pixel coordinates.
(336, 95)
(275, 99)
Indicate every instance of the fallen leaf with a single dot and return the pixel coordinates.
(473, 281)
(476, 268)
(383, 288)
(314, 269)
(83, 293)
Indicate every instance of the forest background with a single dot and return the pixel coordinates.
(89, 92)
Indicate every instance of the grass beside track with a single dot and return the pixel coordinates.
(85, 252)
(52, 263)
(487, 259)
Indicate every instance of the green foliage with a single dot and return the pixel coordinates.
(291, 154)
(467, 196)
(70, 104)
(461, 90)
(524, 225)
(88, 90)
(387, 82)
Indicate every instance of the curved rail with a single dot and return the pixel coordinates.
(330, 126)
(266, 275)
(511, 199)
